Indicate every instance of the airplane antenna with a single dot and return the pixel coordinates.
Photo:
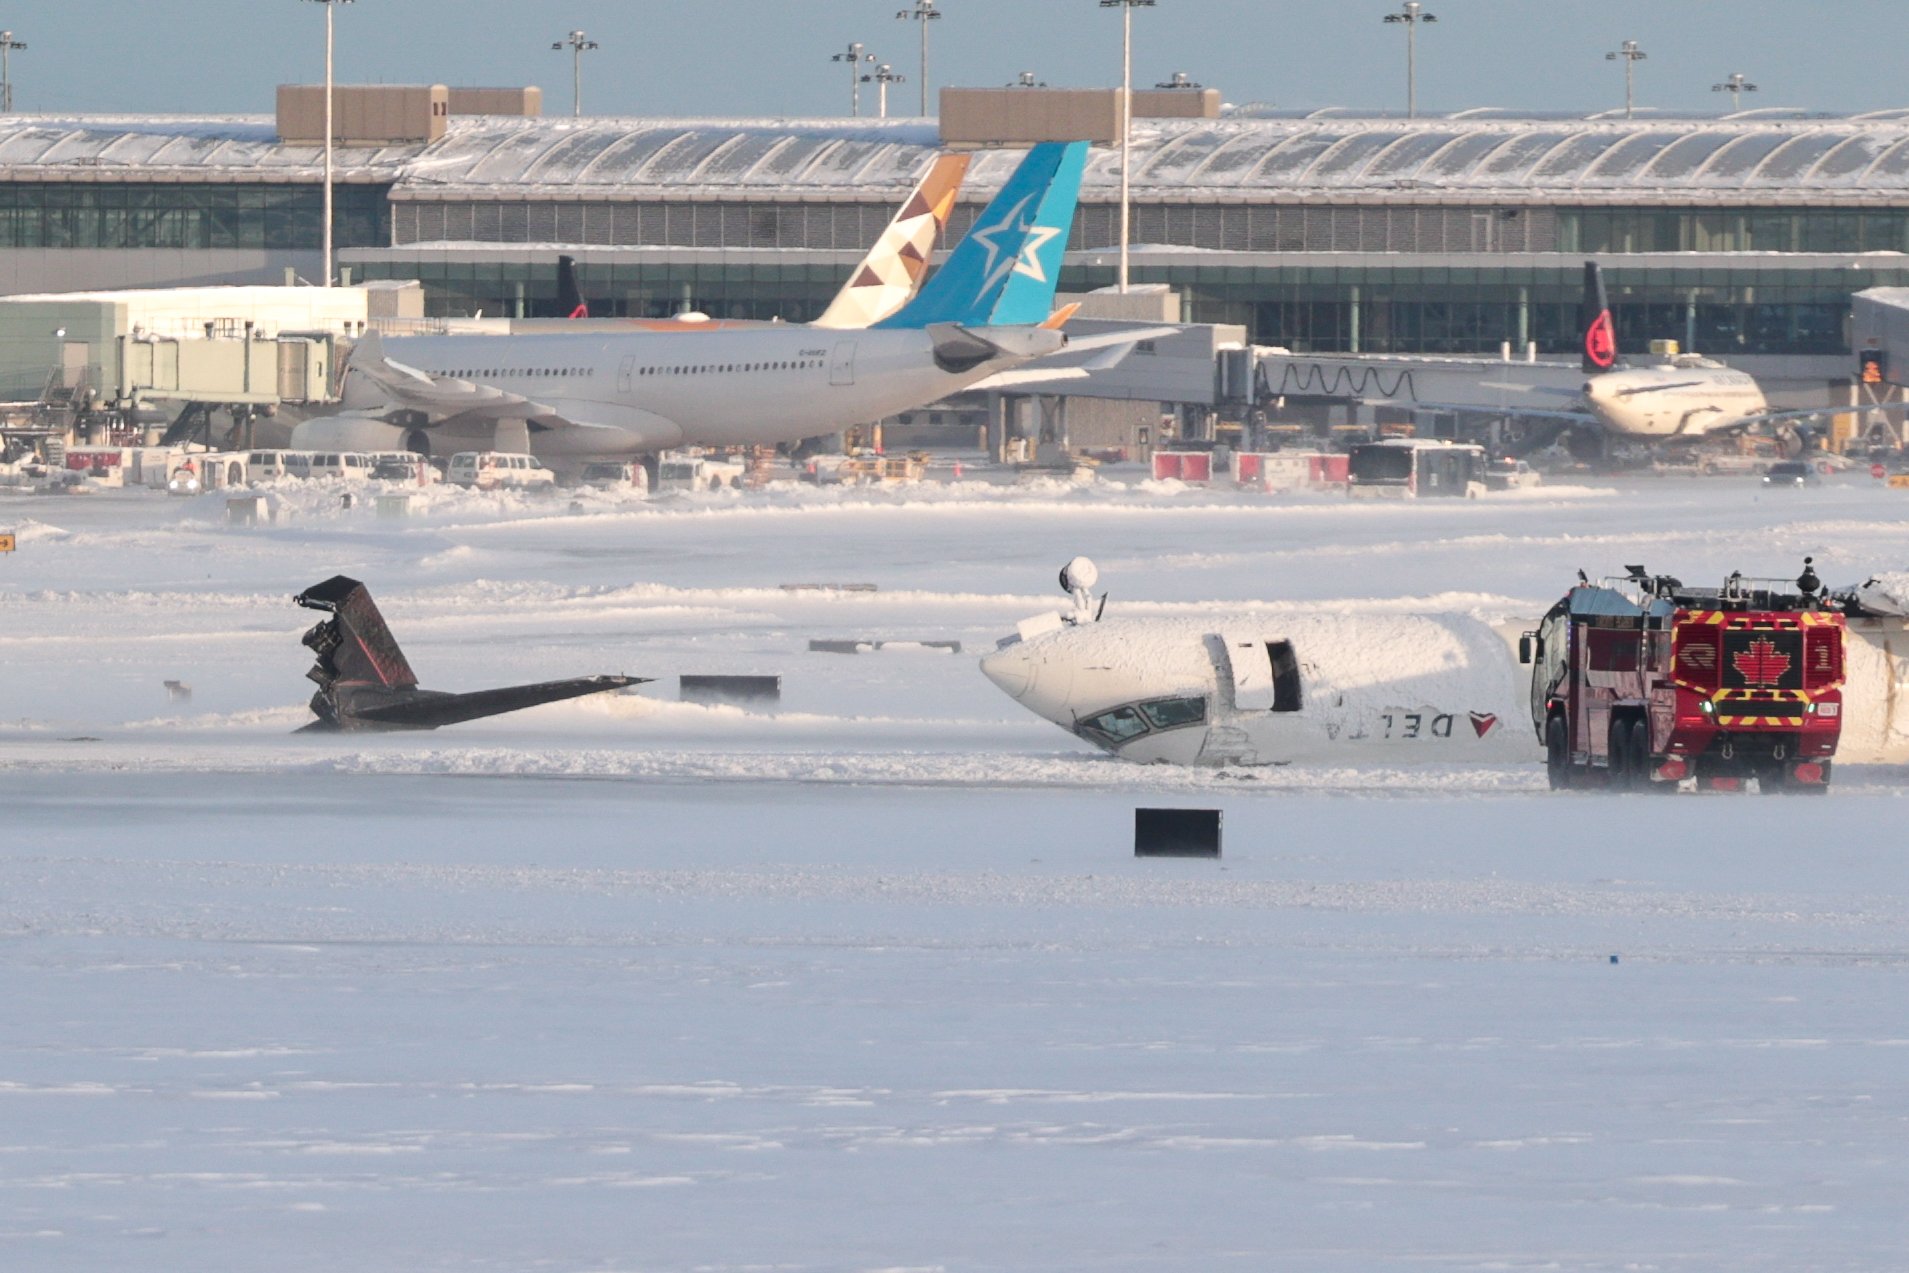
(1078, 578)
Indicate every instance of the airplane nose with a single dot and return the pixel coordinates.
(1011, 669)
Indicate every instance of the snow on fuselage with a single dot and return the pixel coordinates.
(1261, 689)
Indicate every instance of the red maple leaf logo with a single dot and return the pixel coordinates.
(1761, 664)
(1600, 342)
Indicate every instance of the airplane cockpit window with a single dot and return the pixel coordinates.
(1170, 713)
(1286, 688)
(1118, 725)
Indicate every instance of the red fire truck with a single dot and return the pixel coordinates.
(1640, 682)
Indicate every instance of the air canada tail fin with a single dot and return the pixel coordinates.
(570, 300)
(1594, 322)
(1004, 272)
(887, 277)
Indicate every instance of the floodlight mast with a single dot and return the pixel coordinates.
(1736, 86)
(924, 12)
(882, 76)
(856, 54)
(1126, 8)
(329, 130)
(1631, 56)
(578, 43)
(7, 45)
(1411, 16)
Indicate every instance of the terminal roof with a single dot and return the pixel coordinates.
(1754, 156)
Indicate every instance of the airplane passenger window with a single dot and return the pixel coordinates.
(1286, 692)
(1171, 713)
(1120, 724)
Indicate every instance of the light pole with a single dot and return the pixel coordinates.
(854, 55)
(7, 45)
(924, 12)
(329, 6)
(1736, 86)
(1411, 15)
(1027, 80)
(1126, 8)
(1631, 55)
(578, 43)
(882, 76)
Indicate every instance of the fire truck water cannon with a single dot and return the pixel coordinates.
(1641, 682)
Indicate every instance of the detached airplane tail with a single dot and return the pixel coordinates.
(887, 277)
(1594, 321)
(1004, 272)
(354, 644)
(569, 294)
(364, 681)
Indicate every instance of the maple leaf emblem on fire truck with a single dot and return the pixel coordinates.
(1761, 664)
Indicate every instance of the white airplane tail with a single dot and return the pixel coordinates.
(888, 276)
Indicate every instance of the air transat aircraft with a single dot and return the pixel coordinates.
(584, 395)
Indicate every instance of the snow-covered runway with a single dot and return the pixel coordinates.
(875, 982)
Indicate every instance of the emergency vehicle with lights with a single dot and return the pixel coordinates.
(1641, 682)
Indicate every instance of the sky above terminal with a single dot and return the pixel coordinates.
(772, 57)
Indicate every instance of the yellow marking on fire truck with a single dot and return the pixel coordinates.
(6, 541)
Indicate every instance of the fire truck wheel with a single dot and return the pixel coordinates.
(1557, 753)
(1640, 754)
(1619, 744)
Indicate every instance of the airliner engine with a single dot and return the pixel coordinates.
(354, 431)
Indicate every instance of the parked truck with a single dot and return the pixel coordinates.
(1641, 682)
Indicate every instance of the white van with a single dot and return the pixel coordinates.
(488, 470)
(616, 475)
(677, 472)
(349, 465)
(268, 466)
(403, 466)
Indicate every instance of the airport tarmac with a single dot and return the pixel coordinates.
(875, 981)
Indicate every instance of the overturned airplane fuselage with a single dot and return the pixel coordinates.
(365, 682)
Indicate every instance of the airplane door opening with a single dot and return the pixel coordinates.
(623, 372)
(842, 364)
(1265, 674)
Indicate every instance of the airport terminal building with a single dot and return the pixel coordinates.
(1738, 236)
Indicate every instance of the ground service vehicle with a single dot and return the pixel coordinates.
(1641, 681)
(488, 470)
(697, 473)
(616, 475)
(1416, 467)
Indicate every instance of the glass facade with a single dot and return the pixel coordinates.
(1732, 230)
(138, 215)
(1745, 309)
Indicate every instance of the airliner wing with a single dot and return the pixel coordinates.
(1023, 376)
(1130, 336)
(444, 396)
(1491, 409)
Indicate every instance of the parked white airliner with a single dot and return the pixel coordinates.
(573, 396)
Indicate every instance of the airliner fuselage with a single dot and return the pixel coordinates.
(615, 395)
(1672, 401)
